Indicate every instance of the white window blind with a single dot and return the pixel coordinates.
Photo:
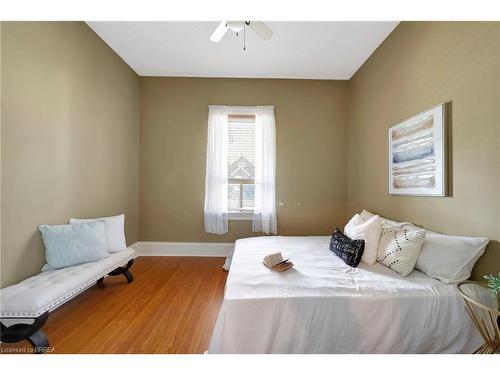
(241, 162)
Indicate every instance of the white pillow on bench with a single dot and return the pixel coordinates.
(115, 231)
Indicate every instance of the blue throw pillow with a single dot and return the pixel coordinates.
(68, 245)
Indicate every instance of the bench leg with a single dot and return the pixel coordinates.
(121, 271)
(128, 275)
(39, 341)
(31, 332)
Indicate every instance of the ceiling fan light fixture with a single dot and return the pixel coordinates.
(236, 26)
(259, 28)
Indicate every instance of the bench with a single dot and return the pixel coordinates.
(34, 298)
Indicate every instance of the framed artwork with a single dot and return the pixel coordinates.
(417, 154)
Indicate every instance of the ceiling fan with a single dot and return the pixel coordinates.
(260, 28)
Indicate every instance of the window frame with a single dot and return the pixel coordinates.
(242, 213)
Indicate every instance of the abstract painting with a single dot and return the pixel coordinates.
(417, 154)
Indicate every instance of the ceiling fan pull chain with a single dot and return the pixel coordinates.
(244, 36)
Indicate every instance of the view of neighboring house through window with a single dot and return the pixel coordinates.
(241, 163)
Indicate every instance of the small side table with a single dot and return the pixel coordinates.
(483, 308)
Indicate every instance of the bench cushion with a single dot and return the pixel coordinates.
(48, 290)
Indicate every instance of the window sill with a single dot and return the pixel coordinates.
(234, 215)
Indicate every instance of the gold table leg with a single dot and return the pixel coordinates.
(485, 349)
(492, 339)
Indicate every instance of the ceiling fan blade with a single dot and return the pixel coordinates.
(219, 32)
(261, 29)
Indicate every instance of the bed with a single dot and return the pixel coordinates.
(324, 306)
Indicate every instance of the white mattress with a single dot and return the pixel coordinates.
(324, 306)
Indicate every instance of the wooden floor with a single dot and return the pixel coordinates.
(171, 307)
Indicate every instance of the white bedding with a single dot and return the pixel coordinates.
(324, 306)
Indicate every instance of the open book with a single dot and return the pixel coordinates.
(275, 262)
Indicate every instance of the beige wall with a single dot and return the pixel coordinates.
(420, 65)
(69, 136)
(311, 154)
(69, 140)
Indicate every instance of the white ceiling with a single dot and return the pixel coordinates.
(302, 50)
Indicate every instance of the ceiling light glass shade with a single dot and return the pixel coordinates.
(236, 26)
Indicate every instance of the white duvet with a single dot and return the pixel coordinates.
(324, 306)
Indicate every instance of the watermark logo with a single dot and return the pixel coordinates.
(27, 350)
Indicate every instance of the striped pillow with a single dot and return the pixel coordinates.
(399, 247)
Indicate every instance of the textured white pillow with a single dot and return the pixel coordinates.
(399, 247)
(115, 231)
(450, 259)
(369, 231)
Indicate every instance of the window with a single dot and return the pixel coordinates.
(240, 168)
(241, 164)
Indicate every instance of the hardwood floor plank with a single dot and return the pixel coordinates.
(171, 307)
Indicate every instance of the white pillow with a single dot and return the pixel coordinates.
(369, 231)
(450, 259)
(399, 247)
(115, 231)
(366, 215)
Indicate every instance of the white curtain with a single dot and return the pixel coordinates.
(264, 214)
(216, 171)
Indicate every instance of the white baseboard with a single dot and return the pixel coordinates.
(188, 249)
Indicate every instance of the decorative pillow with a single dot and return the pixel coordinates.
(68, 245)
(350, 251)
(369, 231)
(365, 215)
(115, 231)
(450, 259)
(399, 247)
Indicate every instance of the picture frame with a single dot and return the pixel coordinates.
(417, 154)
